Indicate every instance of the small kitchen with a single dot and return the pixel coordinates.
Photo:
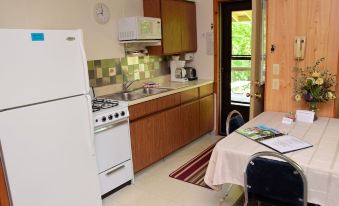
(84, 71)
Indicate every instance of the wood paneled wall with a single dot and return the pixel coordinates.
(318, 21)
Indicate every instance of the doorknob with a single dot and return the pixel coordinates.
(256, 95)
(256, 83)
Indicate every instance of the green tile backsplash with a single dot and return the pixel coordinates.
(116, 71)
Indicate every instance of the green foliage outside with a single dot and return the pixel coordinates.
(241, 45)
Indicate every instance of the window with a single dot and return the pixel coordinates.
(241, 55)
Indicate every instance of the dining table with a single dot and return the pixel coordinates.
(320, 163)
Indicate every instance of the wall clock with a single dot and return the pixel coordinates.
(101, 13)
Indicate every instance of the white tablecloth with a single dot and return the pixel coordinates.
(320, 162)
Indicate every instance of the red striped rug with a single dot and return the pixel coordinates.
(194, 170)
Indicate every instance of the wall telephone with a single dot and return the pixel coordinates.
(299, 47)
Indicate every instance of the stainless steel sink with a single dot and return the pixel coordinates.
(137, 94)
(150, 91)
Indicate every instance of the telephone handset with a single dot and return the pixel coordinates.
(299, 47)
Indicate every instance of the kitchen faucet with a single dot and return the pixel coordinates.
(127, 84)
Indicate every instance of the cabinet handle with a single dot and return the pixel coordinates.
(115, 170)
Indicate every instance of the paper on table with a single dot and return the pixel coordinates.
(305, 116)
(285, 143)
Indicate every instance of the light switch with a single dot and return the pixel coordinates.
(275, 84)
(276, 69)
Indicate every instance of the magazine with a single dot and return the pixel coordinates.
(259, 132)
(273, 139)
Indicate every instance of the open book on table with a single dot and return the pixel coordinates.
(274, 139)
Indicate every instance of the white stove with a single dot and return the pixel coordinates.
(107, 111)
(112, 143)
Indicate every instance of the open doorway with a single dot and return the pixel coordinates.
(235, 71)
(241, 59)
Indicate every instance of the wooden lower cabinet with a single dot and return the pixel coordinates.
(144, 143)
(176, 120)
(166, 129)
(154, 137)
(190, 121)
(206, 114)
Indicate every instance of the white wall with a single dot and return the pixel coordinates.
(202, 61)
(100, 40)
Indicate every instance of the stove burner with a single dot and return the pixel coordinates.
(102, 103)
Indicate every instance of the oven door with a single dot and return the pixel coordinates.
(113, 145)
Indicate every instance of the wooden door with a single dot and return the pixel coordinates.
(171, 27)
(188, 27)
(206, 113)
(190, 121)
(258, 57)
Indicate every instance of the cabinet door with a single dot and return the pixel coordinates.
(190, 121)
(145, 144)
(188, 27)
(167, 130)
(206, 114)
(171, 13)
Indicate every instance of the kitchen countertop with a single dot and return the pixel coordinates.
(174, 87)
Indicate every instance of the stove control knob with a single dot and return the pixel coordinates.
(122, 113)
(103, 119)
(110, 117)
(116, 115)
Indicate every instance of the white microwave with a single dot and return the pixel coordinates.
(139, 28)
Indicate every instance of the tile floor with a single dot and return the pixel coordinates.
(153, 186)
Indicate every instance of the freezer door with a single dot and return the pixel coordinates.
(41, 65)
(47, 152)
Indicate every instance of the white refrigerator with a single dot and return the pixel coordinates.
(46, 129)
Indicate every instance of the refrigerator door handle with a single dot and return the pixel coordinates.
(91, 139)
(85, 72)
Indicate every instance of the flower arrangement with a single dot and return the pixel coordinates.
(314, 85)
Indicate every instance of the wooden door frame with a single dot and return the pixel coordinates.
(217, 53)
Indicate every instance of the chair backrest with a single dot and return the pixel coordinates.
(277, 181)
(234, 120)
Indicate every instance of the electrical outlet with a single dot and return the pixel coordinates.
(276, 69)
(275, 84)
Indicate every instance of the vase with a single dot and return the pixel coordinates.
(314, 108)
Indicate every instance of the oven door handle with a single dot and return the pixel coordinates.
(110, 126)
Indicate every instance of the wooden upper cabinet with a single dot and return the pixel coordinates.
(179, 30)
(188, 27)
(171, 27)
